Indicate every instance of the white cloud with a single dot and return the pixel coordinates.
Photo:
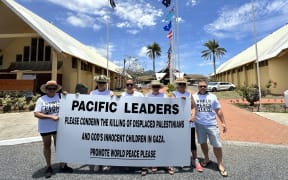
(143, 52)
(102, 49)
(130, 14)
(80, 6)
(192, 3)
(236, 22)
(207, 63)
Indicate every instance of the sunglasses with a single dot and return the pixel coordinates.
(101, 82)
(155, 87)
(51, 89)
(182, 84)
(202, 86)
(129, 84)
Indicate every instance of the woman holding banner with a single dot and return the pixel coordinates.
(102, 90)
(156, 86)
(181, 92)
(46, 110)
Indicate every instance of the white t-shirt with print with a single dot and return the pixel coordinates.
(205, 108)
(186, 94)
(103, 93)
(47, 105)
(135, 94)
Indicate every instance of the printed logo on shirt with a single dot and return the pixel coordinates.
(51, 107)
(204, 105)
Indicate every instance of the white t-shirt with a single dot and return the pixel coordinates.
(47, 105)
(157, 95)
(205, 108)
(103, 93)
(135, 94)
(186, 94)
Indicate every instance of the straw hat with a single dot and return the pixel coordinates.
(156, 83)
(180, 80)
(101, 78)
(43, 87)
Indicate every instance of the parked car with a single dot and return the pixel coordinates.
(220, 86)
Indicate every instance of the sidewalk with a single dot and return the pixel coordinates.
(247, 126)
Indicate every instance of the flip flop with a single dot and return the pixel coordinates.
(223, 172)
(204, 163)
(170, 170)
(154, 169)
(144, 172)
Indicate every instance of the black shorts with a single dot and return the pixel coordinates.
(193, 143)
(48, 133)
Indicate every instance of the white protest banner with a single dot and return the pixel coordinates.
(123, 131)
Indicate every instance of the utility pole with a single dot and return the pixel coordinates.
(256, 53)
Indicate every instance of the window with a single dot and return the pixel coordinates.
(250, 66)
(97, 70)
(89, 67)
(40, 49)
(26, 53)
(33, 49)
(263, 63)
(84, 66)
(1, 60)
(74, 62)
(18, 57)
(240, 69)
(47, 53)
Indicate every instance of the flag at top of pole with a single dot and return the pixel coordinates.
(166, 3)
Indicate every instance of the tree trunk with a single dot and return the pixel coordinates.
(154, 68)
(214, 65)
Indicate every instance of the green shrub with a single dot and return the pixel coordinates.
(251, 94)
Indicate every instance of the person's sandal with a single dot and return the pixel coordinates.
(144, 172)
(223, 172)
(205, 163)
(171, 170)
(154, 169)
(48, 172)
(198, 166)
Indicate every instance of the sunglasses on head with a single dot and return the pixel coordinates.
(155, 86)
(202, 86)
(101, 82)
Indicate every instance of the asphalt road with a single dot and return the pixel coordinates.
(242, 160)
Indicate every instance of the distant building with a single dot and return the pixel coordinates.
(164, 75)
(273, 62)
(32, 48)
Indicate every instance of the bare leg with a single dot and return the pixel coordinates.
(218, 154)
(205, 150)
(47, 149)
(194, 154)
(54, 138)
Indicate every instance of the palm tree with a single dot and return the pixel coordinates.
(213, 51)
(153, 51)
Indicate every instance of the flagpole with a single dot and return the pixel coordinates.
(256, 53)
(177, 37)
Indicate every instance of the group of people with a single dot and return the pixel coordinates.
(205, 107)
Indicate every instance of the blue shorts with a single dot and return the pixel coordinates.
(211, 131)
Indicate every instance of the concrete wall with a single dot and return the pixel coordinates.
(278, 70)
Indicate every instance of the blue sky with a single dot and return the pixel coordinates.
(134, 24)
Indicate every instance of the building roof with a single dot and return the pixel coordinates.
(58, 39)
(270, 46)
